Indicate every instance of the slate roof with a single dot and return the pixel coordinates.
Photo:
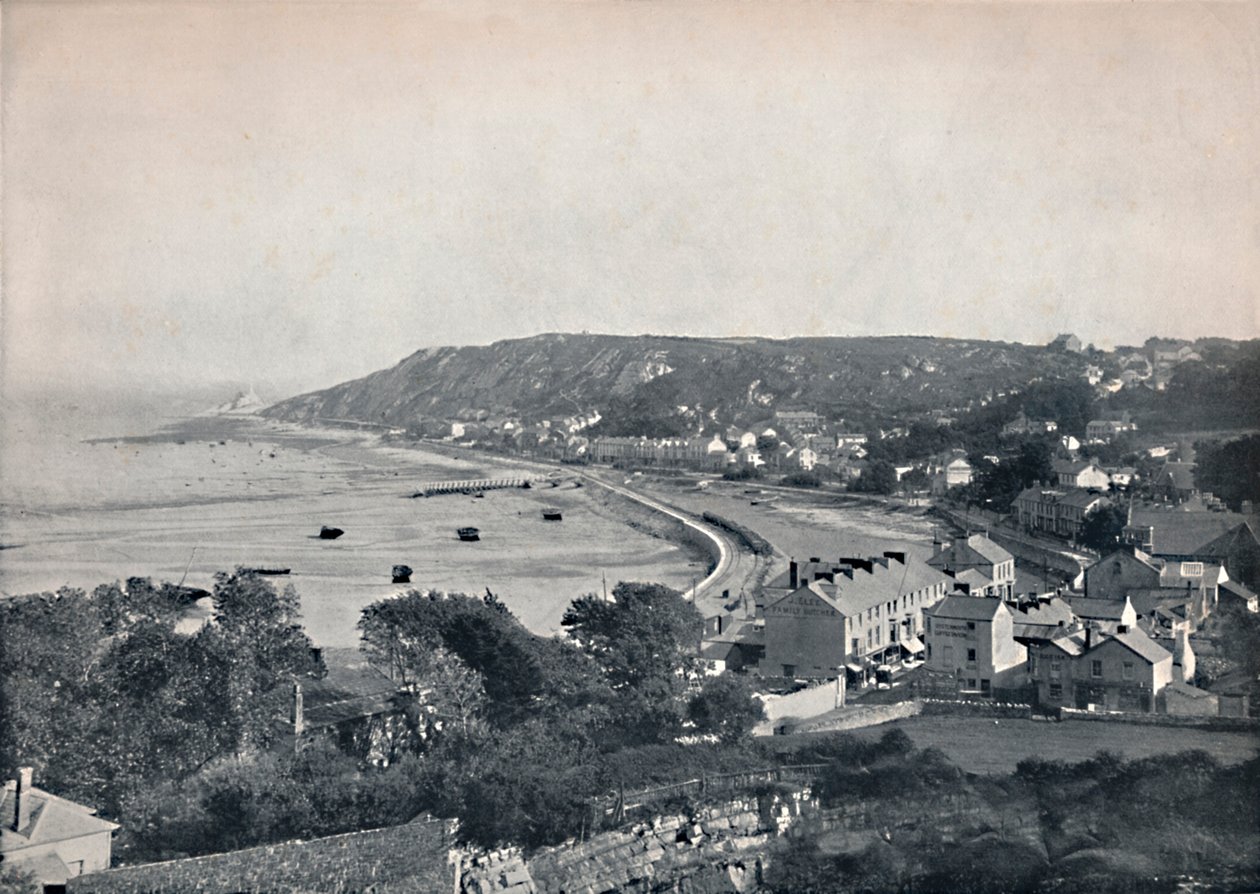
(1180, 475)
(347, 693)
(1225, 544)
(1178, 532)
(1098, 609)
(1140, 644)
(52, 819)
(1070, 643)
(973, 579)
(1185, 689)
(967, 608)
(975, 549)
(867, 589)
(1048, 614)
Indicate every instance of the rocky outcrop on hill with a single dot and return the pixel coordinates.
(695, 382)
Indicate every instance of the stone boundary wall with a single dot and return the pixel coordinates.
(968, 708)
(859, 717)
(1218, 724)
(719, 848)
(397, 860)
(809, 702)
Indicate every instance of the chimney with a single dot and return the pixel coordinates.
(896, 556)
(1089, 630)
(792, 574)
(22, 799)
(1122, 628)
(299, 722)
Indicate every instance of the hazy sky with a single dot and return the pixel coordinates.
(300, 193)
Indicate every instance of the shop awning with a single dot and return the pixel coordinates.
(856, 668)
(913, 646)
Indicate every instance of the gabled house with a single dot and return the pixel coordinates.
(50, 838)
(1113, 576)
(973, 640)
(993, 566)
(1125, 671)
(1083, 474)
(848, 615)
(1175, 482)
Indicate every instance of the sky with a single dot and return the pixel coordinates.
(293, 194)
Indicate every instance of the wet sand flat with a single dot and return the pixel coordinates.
(140, 507)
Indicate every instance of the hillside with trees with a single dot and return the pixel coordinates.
(659, 386)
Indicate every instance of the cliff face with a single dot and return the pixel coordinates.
(701, 380)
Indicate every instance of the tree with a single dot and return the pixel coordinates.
(879, 478)
(1102, 527)
(648, 632)
(1231, 470)
(725, 707)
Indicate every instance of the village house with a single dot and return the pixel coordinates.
(973, 640)
(1193, 533)
(986, 568)
(1066, 342)
(1105, 615)
(1105, 430)
(802, 421)
(1022, 425)
(1056, 511)
(1083, 474)
(822, 619)
(1175, 482)
(50, 838)
(354, 705)
(1087, 669)
(956, 473)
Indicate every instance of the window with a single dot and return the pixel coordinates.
(1095, 668)
(929, 651)
(1128, 670)
(1056, 690)
(949, 655)
(971, 625)
(1032, 662)
(928, 622)
(971, 656)
(789, 670)
(984, 687)
(857, 645)
(1191, 569)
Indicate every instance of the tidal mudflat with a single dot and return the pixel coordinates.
(211, 494)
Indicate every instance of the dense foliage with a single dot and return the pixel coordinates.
(107, 701)
(1230, 470)
(1102, 528)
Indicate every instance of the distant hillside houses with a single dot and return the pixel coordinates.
(1084, 474)
(1108, 427)
(703, 453)
(1022, 425)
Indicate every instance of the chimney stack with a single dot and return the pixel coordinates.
(22, 800)
(792, 574)
(1089, 630)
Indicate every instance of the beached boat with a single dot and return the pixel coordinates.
(468, 535)
(270, 571)
(551, 514)
(402, 574)
(327, 533)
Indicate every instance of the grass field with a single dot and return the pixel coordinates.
(983, 745)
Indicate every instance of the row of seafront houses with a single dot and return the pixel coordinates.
(1123, 643)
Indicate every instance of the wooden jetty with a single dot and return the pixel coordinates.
(468, 486)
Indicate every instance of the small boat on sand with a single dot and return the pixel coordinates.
(270, 571)
(552, 514)
(327, 533)
(468, 535)
(402, 574)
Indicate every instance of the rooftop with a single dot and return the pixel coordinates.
(51, 819)
(967, 608)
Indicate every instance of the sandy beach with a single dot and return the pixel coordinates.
(213, 493)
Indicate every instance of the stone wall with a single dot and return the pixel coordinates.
(407, 859)
(858, 717)
(711, 850)
(1221, 724)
